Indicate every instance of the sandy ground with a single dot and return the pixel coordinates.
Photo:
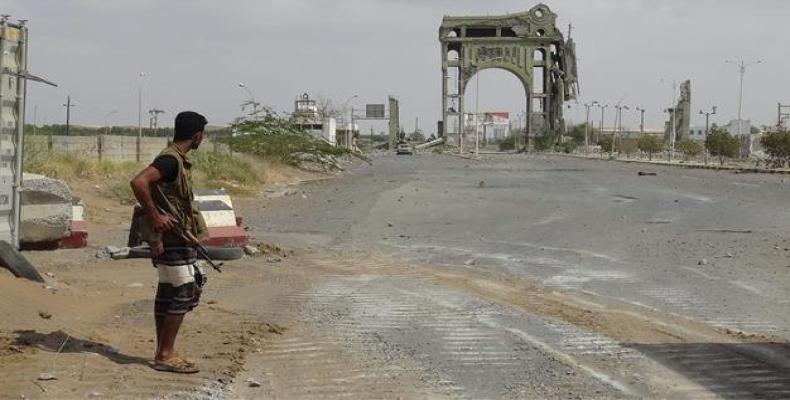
(90, 326)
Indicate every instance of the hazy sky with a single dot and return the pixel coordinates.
(196, 51)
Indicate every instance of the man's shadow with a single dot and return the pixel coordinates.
(54, 340)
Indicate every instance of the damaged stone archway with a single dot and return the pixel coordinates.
(527, 44)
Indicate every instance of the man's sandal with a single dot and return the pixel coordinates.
(176, 365)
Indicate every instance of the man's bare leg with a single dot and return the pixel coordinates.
(160, 322)
(167, 339)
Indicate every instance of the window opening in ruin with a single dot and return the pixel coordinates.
(481, 32)
(508, 32)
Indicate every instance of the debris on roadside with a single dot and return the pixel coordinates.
(743, 231)
(704, 261)
(252, 251)
(113, 252)
(46, 376)
(44, 314)
(252, 383)
(271, 250)
(642, 173)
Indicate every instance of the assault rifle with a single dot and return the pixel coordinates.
(188, 237)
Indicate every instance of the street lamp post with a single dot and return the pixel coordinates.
(349, 135)
(107, 128)
(139, 112)
(707, 127)
(618, 128)
(600, 129)
(742, 71)
(588, 106)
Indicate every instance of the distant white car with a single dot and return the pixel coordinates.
(404, 149)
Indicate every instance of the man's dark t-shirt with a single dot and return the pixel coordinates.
(167, 166)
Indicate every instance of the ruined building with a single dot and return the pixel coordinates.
(680, 115)
(527, 44)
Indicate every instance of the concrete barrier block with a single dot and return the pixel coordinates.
(46, 209)
(224, 228)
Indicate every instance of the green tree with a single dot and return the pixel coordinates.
(543, 143)
(721, 144)
(627, 147)
(508, 144)
(650, 145)
(280, 138)
(568, 147)
(690, 148)
(606, 144)
(777, 146)
(577, 133)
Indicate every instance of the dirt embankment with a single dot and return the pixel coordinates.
(89, 331)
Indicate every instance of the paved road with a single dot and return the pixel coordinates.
(704, 253)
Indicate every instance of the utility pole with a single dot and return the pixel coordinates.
(350, 122)
(154, 112)
(707, 127)
(742, 65)
(618, 127)
(68, 106)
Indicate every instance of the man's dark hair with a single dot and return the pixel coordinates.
(188, 123)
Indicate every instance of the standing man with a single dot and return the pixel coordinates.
(166, 185)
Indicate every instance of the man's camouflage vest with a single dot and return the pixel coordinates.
(177, 199)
